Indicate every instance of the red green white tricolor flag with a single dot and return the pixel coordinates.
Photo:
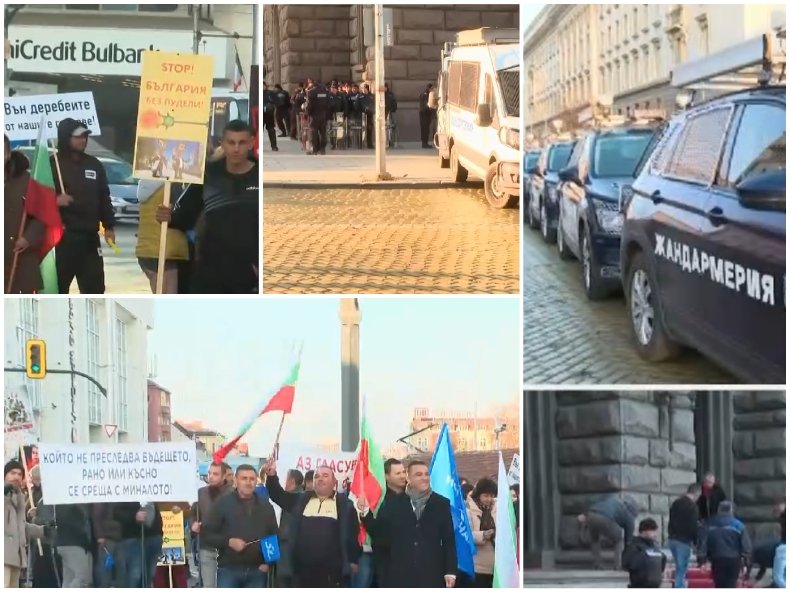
(369, 476)
(281, 400)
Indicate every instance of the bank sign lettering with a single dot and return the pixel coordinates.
(117, 52)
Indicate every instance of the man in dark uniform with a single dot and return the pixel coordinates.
(317, 109)
(84, 200)
(228, 206)
(269, 103)
(367, 105)
(282, 112)
(427, 116)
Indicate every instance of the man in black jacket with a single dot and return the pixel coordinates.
(141, 542)
(282, 112)
(417, 529)
(683, 531)
(708, 504)
(317, 109)
(73, 540)
(643, 558)
(228, 206)
(728, 546)
(395, 476)
(84, 200)
(236, 526)
(325, 551)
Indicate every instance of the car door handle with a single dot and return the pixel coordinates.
(656, 197)
(717, 217)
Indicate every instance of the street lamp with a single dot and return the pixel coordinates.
(501, 427)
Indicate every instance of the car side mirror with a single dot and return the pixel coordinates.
(764, 191)
(570, 174)
(483, 115)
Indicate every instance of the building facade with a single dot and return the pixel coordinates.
(468, 432)
(581, 446)
(336, 42)
(576, 54)
(60, 48)
(159, 418)
(104, 338)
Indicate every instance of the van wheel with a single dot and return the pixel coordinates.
(459, 173)
(494, 193)
(647, 323)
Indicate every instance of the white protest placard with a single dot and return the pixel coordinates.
(99, 473)
(23, 115)
(18, 416)
(342, 463)
(514, 473)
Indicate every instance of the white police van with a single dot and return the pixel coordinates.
(479, 111)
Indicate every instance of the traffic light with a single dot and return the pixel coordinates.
(36, 350)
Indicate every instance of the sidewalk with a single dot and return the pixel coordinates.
(410, 166)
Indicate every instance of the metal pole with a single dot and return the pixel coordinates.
(256, 36)
(381, 131)
(195, 29)
(350, 318)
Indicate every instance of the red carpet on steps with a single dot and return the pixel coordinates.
(700, 577)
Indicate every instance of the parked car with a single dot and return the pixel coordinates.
(703, 241)
(589, 217)
(543, 198)
(531, 158)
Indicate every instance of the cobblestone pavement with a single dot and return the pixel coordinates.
(570, 340)
(388, 241)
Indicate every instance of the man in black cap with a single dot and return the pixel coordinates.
(17, 530)
(317, 109)
(84, 200)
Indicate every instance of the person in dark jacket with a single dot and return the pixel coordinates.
(728, 546)
(294, 483)
(47, 566)
(84, 200)
(325, 552)
(317, 109)
(395, 476)
(228, 205)
(282, 111)
(427, 116)
(269, 104)
(235, 527)
(643, 558)
(24, 245)
(417, 528)
(613, 519)
(141, 542)
(683, 531)
(73, 541)
(208, 497)
(712, 495)
(107, 533)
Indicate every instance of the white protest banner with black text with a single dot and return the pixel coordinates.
(23, 114)
(341, 463)
(98, 473)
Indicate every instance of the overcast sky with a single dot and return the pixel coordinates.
(529, 12)
(221, 358)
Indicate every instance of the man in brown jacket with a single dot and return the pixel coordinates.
(18, 531)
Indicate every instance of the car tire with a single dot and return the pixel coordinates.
(595, 286)
(496, 197)
(459, 173)
(548, 233)
(562, 248)
(649, 334)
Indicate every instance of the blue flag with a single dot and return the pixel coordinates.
(270, 549)
(444, 481)
(109, 560)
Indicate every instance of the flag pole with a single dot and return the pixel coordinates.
(30, 492)
(22, 223)
(276, 450)
(160, 267)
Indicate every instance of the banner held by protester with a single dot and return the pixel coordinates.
(25, 116)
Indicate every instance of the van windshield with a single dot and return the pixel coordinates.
(509, 78)
(617, 155)
(558, 157)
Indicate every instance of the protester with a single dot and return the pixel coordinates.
(84, 200)
(208, 497)
(107, 533)
(728, 545)
(711, 496)
(610, 518)
(294, 483)
(73, 541)
(417, 528)
(643, 558)
(515, 492)
(24, 246)
(175, 575)
(683, 531)
(46, 565)
(324, 530)
(18, 532)
(141, 542)
(481, 508)
(308, 480)
(226, 250)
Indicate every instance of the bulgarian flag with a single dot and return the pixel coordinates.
(506, 571)
(40, 204)
(369, 472)
(281, 400)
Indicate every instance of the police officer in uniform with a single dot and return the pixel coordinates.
(317, 109)
(84, 200)
(268, 100)
(283, 111)
(367, 106)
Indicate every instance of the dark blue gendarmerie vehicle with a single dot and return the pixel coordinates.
(531, 158)
(603, 162)
(703, 241)
(542, 205)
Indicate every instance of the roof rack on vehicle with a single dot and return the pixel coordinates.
(482, 36)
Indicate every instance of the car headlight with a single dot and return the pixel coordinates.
(610, 219)
(510, 137)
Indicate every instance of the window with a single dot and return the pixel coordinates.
(454, 83)
(92, 341)
(122, 372)
(696, 155)
(617, 155)
(163, 400)
(28, 329)
(760, 143)
(704, 35)
(558, 157)
(470, 77)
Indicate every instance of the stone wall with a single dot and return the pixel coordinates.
(759, 447)
(312, 41)
(635, 443)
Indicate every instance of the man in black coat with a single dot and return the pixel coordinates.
(417, 529)
(324, 529)
(712, 496)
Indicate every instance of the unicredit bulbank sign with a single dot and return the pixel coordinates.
(71, 50)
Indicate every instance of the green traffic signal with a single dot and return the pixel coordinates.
(36, 358)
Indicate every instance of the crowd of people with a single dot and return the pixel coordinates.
(212, 242)
(410, 540)
(313, 111)
(702, 521)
